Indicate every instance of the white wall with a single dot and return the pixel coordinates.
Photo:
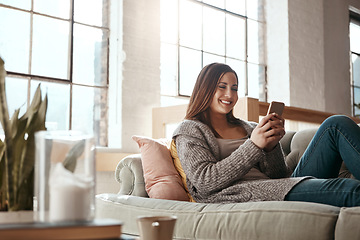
(141, 68)
(306, 53)
(317, 53)
(277, 41)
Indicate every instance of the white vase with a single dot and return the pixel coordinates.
(16, 217)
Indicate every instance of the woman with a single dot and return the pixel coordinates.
(226, 159)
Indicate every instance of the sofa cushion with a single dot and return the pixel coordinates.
(161, 178)
(347, 226)
(298, 144)
(179, 168)
(286, 140)
(248, 221)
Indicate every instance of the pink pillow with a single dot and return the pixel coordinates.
(161, 178)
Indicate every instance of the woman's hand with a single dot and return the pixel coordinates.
(268, 132)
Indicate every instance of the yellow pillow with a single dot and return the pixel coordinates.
(179, 168)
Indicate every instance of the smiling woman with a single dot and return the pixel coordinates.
(211, 133)
(226, 159)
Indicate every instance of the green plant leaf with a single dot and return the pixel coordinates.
(4, 113)
(73, 154)
(17, 152)
(37, 123)
(2, 175)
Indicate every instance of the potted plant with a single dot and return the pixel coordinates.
(17, 149)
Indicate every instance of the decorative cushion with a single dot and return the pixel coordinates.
(179, 168)
(162, 181)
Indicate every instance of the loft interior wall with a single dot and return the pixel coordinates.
(307, 58)
(317, 54)
(141, 68)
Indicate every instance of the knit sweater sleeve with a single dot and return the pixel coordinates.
(198, 155)
(273, 164)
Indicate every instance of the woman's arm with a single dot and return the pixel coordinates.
(206, 173)
(274, 165)
(267, 135)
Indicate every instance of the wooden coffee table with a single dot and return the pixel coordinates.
(96, 229)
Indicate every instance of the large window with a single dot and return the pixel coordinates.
(195, 33)
(62, 45)
(355, 62)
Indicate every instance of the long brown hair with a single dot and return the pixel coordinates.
(204, 91)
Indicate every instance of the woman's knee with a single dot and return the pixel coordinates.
(338, 120)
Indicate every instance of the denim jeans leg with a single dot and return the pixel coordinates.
(340, 192)
(337, 140)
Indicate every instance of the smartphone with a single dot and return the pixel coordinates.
(276, 107)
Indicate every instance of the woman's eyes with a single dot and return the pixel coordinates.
(224, 87)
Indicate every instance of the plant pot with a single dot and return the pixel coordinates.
(16, 217)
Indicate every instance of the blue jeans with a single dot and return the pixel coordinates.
(337, 140)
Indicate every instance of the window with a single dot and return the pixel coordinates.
(355, 61)
(64, 46)
(195, 33)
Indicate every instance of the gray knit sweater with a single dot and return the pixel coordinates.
(214, 180)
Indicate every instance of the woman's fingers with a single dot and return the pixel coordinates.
(275, 132)
(276, 123)
(266, 119)
(268, 132)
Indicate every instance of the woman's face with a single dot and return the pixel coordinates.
(225, 96)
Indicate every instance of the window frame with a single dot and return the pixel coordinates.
(354, 18)
(102, 135)
(245, 61)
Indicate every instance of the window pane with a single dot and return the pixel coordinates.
(24, 4)
(255, 42)
(236, 6)
(214, 31)
(169, 21)
(239, 68)
(190, 67)
(216, 3)
(58, 111)
(255, 9)
(235, 37)
(211, 58)
(50, 47)
(168, 69)
(256, 81)
(90, 56)
(89, 112)
(357, 101)
(15, 39)
(16, 94)
(94, 13)
(356, 69)
(355, 38)
(58, 8)
(190, 24)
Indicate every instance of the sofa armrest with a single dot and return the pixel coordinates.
(129, 174)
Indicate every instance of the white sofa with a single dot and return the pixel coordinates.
(252, 220)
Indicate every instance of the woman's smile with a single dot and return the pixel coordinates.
(225, 102)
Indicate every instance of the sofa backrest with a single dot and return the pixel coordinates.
(296, 145)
